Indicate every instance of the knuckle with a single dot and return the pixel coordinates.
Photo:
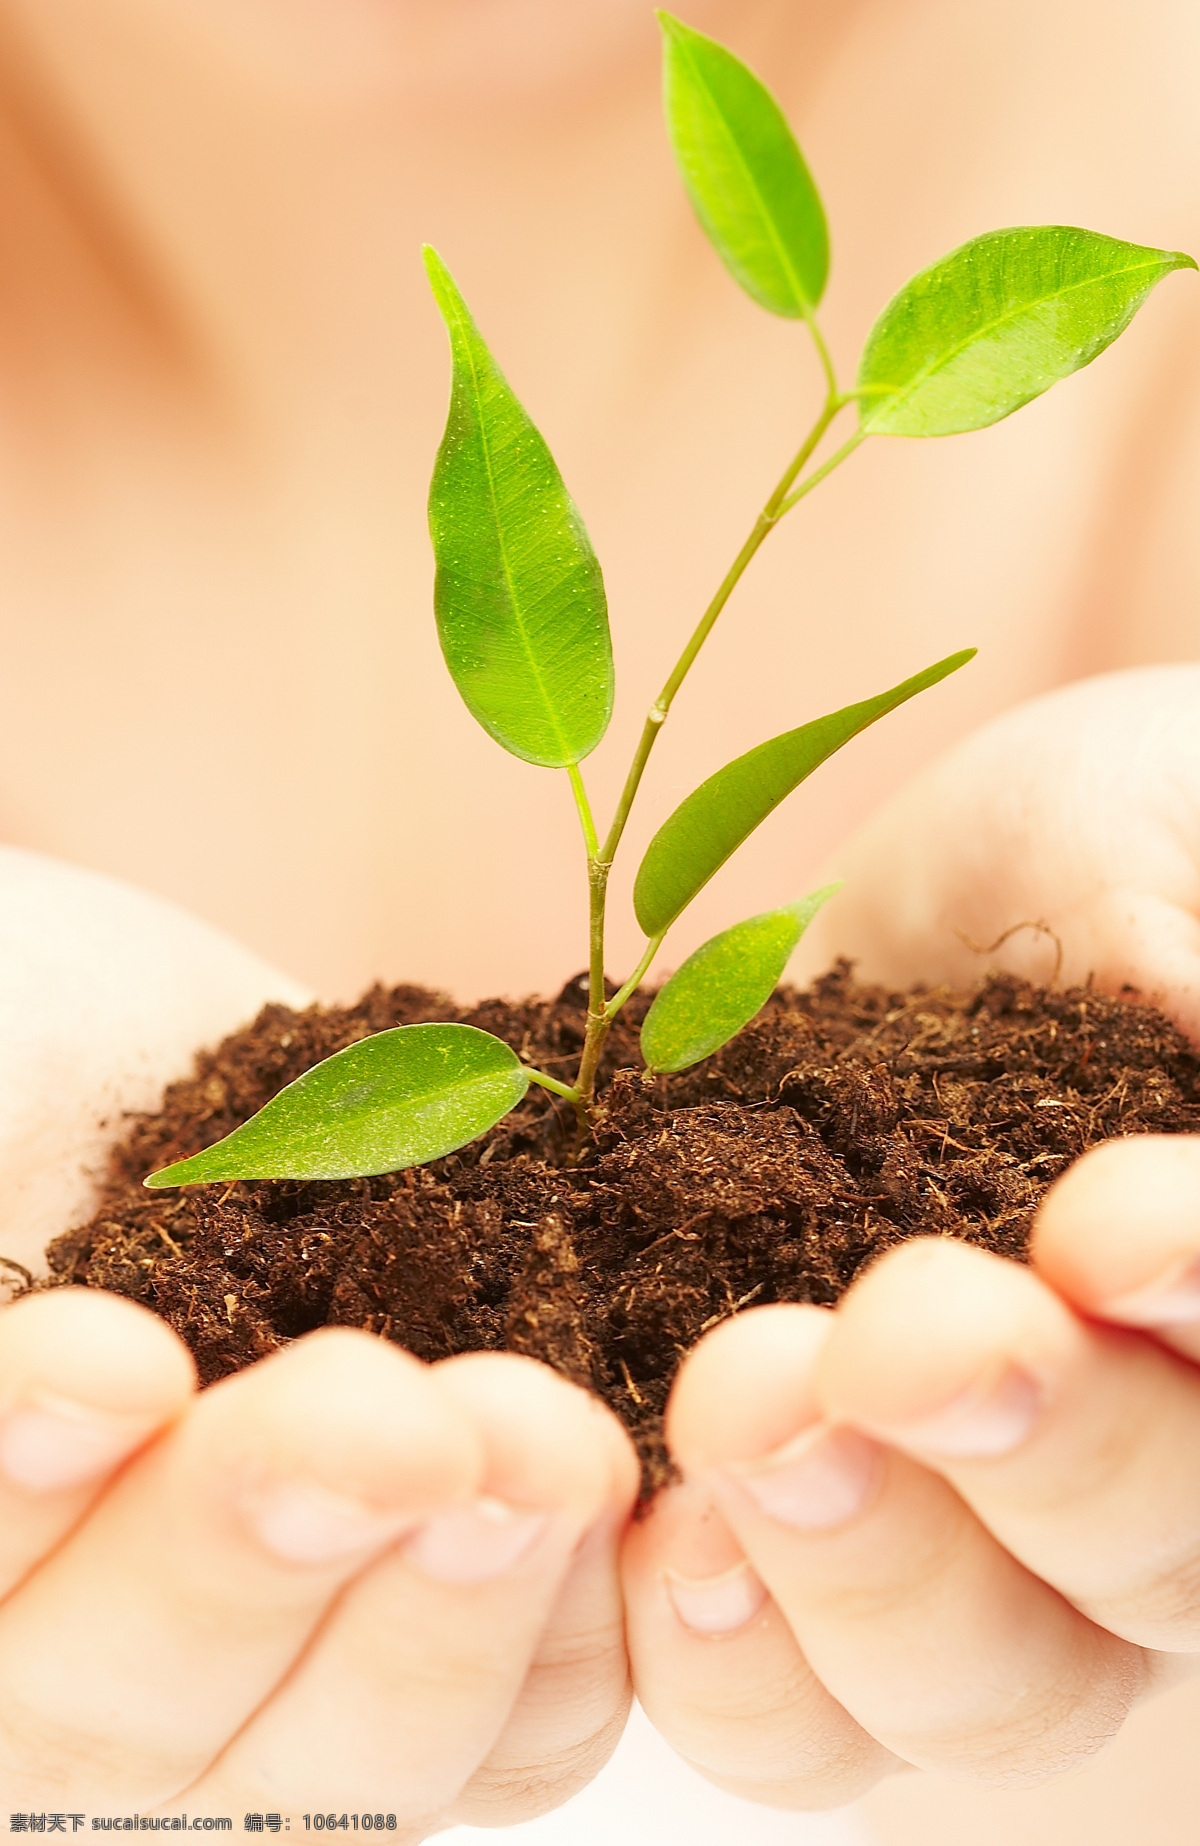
(914, 1577)
(1040, 1731)
(571, 1654)
(39, 1752)
(502, 1792)
(776, 1737)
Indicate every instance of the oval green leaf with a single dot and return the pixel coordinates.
(518, 595)
(999, 321)
(744, 173)
(711, 823)
(394, 1100)
(723, 985)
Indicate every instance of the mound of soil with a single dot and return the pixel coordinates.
(841, 1121)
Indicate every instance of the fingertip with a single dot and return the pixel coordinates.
(352, 1411)
(1123, 1222)
(747, 1387)
(932, 1318)
(86, 1380)
(547, 1442)
(97, 1348)
(1150, 942)
(683, 1530)
(625, 1468)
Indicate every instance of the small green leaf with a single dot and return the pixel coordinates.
(998, 322)
(518, 596)
(394, 1100)
(711, 822)
(744, 173)
(723, 985)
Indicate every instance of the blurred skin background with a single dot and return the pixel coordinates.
(222, 382)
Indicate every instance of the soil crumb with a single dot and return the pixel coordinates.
(844, 1119)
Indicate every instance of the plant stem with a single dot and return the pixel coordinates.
(602, 1012)
(594, 1041)
(551, 1083)
(818, 474)
(597, 1007)
(597, 1003)
(590, 842)
(635, 980)
(566, 1090)
(657, 715)
(818, 341)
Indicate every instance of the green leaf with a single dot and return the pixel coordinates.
(724, 984)
(394, 1100)
(712, 822)
(519, 598)
(998, 322)
(744, 173)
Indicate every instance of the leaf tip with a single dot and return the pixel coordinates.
(445, 289)
(1184, 261)
(805, 908)
(435, 269)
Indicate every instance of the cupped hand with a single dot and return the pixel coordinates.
(1078, 812)
(954, 1523)
(341, 1580)
(106, 994)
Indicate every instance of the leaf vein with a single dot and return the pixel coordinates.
(801, 297)
(518, 610)
(901, 392)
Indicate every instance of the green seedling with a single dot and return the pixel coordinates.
(523, 622)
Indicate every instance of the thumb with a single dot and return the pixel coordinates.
(105, 995)
(1146, 942)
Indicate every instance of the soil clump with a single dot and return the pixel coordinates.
(844, 1119)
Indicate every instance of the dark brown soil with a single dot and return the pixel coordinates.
(841, 1121)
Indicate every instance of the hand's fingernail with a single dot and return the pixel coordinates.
(49, 1443)
(304, 1523)
(716, 1605)
(992, 1418)
(1171, 1300)
(819, 1480)
(469, 1544)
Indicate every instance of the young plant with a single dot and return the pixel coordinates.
(522, 619)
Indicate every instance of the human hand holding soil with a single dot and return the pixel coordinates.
(962, 1489)
(341, 1579)
(361, 1568)
(1079, 811)
(105, 993)
(255, 324)
(962, 1493)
